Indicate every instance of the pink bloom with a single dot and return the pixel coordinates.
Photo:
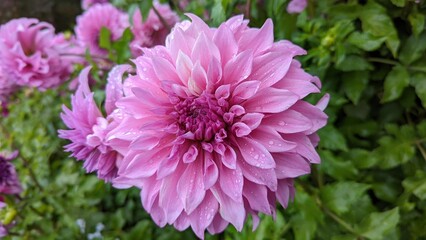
(88, 127)
(89, 26)
(153, 31)
(29, 54)
(9, 182)
(7, 86)
(85, 4)
(297, 6)
(217, 125)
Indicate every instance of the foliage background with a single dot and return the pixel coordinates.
(371, 58)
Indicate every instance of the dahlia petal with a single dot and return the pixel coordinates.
(190, 187)
(165, 70)
(245, 90)
(223, 91)
(290, 165)
(182, 222)
(204, 50)
(211, 172)
(260, 176)
(271, 67)
(257, 197)
(149, 192)
(184, 67)
(228, 156)
(145, 142)
(318, 118)
(191, 154)
(142, 165)
(229, 209)
(198, 79)
(169, 197)
(304, 147)
(286, 192)
(252, 120)
(158, 214)
(178, 42)
(240, 129)
(238, 68)
(297, 81)
(115, 86)
(255, 154)
(271, 100)
(231, 182)
(258, 40)
(323, 102)
(225, 41)
(218, 224)
(289, 121)
(214, 74)
(271, 140)
(203, 216)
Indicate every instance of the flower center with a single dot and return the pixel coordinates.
(200, 118)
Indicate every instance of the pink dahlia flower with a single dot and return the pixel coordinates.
(9, 182)
(89, 26)
(30, 55)
(218, 125)
(154, 30)
(297, 6)
(85, 4)
(88, 128)
(7, 86)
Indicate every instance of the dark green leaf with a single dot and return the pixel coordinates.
(354, 84)
(417, 21)
(418, 81)
(340, 196)
(332, 139)
(377, 225)
(399, 3)
(366, 41)
(354, 63)
(105, 38)
(416, 185)
(413, 49)
(396, 81)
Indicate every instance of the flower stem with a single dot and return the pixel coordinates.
(163, 21)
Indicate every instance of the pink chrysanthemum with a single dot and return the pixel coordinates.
(9, 182)
(153, 31)
(29, 54)
(297, 6)
(88, 128)
(217, 125)
(85, 4)
(89, 26)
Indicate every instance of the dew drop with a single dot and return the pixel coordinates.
(271, 142)
(256, 156)
(281, 123)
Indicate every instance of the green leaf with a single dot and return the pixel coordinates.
(332, 139)
(376, 21)
(218, 12)
(417, 22)
(340, 196)
(307, 218)
(396, 81)
(354, 84)
(337, 167)
(416, 185)
(377, 225)
(413, 49)
(393, 152)
(399, 3)
(418, 81)
(366, 41)
(361, 158)
(354, 63)
(105, 38)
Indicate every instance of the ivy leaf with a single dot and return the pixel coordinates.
(340, 196)
(353, 63)
(366, 41)
(337, 167)
(395, 83)
(399, 3)
(416, 185)
(376, 21)
(417, 22)
(377, 225)
(413, 49)
(332, 139)
(418, 81)
(307, 218)
(354, 84)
